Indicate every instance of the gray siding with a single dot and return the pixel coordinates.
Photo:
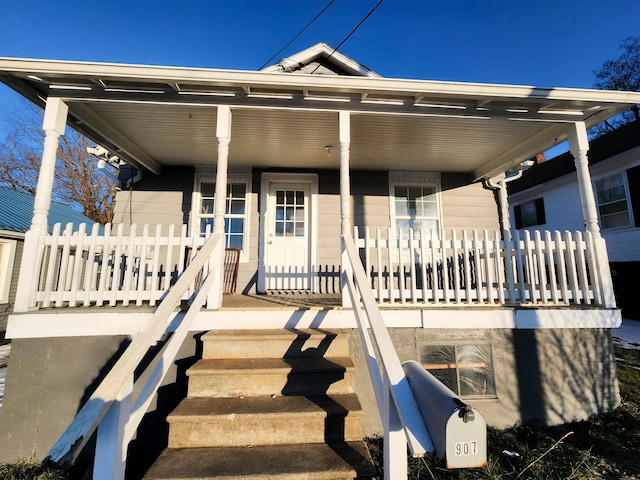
(468, 207)
(157, 199)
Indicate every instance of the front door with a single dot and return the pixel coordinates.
(288, 237)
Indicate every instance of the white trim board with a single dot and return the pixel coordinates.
(110, 322)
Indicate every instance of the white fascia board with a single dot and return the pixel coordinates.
(343, 84)
(12, 235)
(64, 323)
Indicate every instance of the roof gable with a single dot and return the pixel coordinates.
(321, 59)
(16, 212)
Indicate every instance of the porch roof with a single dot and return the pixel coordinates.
(152, 116)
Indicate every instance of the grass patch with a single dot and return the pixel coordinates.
(603, 447)
(31, 470)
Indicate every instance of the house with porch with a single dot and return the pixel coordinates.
(366, 217)
(547, 197)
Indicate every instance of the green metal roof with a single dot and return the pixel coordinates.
(16, 211)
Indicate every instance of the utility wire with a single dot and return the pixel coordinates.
(351, 33)
(298, 34)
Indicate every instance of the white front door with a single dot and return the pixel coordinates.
(288, 236)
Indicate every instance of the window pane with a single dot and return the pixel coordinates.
(616, 220)
(290, 213)
(300, 197)
(238, 190)
(610, 189)
(207, 189)
(440, 361)
(402, 207)
(204, 223)
(288, 229)
(234, 241)
(207, 206)
(280, 197)
(299, 229)
(475, 370)
(237, 207)
(289, 197)
(279, 213)
(279, 231)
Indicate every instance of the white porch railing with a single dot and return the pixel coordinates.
(482, 269)
(112, 266)
(138, 264)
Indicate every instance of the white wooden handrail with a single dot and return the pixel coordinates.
(69, 445)
(392, 381)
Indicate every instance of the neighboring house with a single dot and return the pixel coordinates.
(16, 211)
(317, 157)
(547, 197)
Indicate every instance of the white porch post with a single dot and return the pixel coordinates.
(579, 146)
(345, 200)
(223, 133)
(55, 118)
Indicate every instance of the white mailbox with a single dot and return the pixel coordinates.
(458, 432)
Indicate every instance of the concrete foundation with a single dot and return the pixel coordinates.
(549, 375)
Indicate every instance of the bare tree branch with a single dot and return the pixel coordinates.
(78, 182)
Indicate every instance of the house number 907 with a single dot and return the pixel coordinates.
(464, 449)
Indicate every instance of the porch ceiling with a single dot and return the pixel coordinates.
(154, 116)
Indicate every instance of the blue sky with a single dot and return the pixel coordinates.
(526, 42)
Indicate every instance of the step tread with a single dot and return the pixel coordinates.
(257, 334)
(195, 408)
(300, 461)
(242, 365)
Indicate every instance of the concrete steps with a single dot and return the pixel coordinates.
(266, 404)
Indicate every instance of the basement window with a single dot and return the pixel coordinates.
(466, 369)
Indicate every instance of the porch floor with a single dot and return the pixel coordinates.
(276, 300)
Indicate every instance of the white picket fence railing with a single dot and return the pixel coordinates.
(106, 266)
(550, 268)
(137, 265)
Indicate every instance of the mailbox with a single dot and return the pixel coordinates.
(458, 432)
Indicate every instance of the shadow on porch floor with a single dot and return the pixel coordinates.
(277, 299)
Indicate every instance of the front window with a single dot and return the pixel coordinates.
(466, 369)
(415, 205)
(612, 198)
(530, 213)
(236, 210)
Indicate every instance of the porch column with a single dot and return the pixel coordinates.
(597, 253)
(579, 146)
(223, 133)
(345, 199)
(55, 119)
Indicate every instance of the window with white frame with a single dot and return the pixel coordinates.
(415, 204)
(7, 255)
(612, 195)
(236, 216)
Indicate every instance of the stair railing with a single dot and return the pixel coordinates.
(401, 419)
(111, 408)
